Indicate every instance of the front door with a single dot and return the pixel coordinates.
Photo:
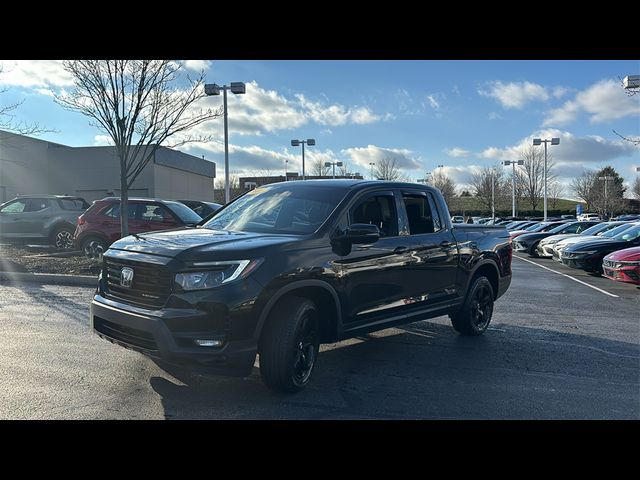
(372, 274)
(13, 218)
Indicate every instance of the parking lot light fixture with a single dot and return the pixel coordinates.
(309, 141)
(513, 163)
(237, 88)
(539, 141)
(328, 164)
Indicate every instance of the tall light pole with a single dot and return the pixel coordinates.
(328, 164)
(309, 141)
(493, 195)
(513, 163)
(536, 142)
(372, 164)
(606, 179)
(285, 169)
(237, 88)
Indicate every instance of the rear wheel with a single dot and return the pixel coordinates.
(289, 345)
(62, 237)
(475, 315)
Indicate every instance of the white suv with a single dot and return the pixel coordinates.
(588, 216)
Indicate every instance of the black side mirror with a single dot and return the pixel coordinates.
(360, 233)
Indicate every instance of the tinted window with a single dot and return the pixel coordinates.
(18, 206)
(418, 214)
(150, 212)
(536, 228)
(615, 231)
(114, 211)
(73, 204)
(294, 209)
(378, 210)
(37, 204)
(184, 213)
(629, 234)
(599, 227)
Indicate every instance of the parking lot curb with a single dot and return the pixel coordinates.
(49, 278)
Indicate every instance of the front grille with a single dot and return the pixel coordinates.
(128, 335)
(151, 285)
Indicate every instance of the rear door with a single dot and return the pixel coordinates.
(432, 253)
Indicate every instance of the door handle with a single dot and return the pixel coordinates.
(446, 243)
(399, 250)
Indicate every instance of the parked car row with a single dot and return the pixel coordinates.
(608, 248)
(68, 221)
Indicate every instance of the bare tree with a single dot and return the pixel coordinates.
(387, 169)
(533, 172)
(636, 187)
(630, 92)
(583, 185)
(138, 105)
(318, 169)
(343, 171)
(445, 184)
(488, 185)
(8, 119)
(608, 200)
(556, 191)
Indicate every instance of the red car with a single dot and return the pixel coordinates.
(623, 265)
(99, 226)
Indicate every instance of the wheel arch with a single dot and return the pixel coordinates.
(489, 269)
(323, 295)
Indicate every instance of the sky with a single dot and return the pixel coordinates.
(463, 115)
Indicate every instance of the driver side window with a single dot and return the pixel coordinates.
(377, 210)
(18, 206)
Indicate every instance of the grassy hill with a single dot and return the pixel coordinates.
(472, 206)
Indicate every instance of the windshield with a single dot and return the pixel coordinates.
(183, 212)
(560, 228)
(629, 234)
(615, 231)
(536, 227)
(597, 228)
(280, 209)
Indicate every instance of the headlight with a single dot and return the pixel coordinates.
(588, 252)
(218, 274)
(549, 242)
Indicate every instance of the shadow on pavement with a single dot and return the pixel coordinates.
(426, 370)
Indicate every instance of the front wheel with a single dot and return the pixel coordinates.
(289, 345)
(476, 312)
(94, 247)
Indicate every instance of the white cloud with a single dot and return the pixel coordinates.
(515, 94)
(572, 156)
(457, 152)
(197, 65)
(433, 103)
(34, 73)
(102, 140)
(603, 102)
(494, 116)
(336, 114)
(371, 153)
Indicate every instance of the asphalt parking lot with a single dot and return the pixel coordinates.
(556, 349)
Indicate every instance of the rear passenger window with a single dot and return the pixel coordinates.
(419, 214)
(37, 204)
(114, 211)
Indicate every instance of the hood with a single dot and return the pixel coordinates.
(533, 236)
(602, 244)
(626, 255)
(559, 237)
(184, 242)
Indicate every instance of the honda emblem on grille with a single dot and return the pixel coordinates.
(126, 277)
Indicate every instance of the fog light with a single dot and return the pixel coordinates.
(209, 343)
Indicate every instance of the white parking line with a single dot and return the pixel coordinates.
(568, 276)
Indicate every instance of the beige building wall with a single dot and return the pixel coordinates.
(23, 166)
(174, 184)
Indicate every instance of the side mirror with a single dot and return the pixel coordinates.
(360, 233)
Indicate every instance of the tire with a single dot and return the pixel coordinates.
(533, 251)
(476, 312)
(289, 345)
(62, 237)
(93, 247)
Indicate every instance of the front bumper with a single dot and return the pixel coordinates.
(588, 264)
(520, 246)
(147, 332)
(545, 250)
(628, 274)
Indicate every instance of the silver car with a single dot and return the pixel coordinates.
(51, 218)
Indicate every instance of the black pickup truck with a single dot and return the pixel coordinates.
(291, 265)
